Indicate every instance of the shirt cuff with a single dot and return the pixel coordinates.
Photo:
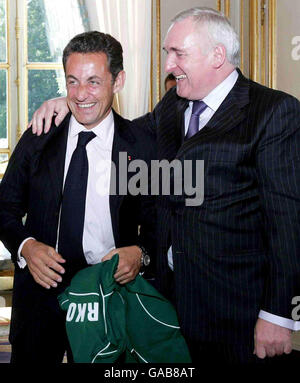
(170, 258)
(280, 321)
(21, 260)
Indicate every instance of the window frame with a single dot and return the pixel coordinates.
(27, 65)
(7, 67)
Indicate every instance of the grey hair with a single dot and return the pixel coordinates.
(219, 29)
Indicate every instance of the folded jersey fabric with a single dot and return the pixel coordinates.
(106, 320)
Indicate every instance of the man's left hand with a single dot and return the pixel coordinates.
(129, 263)
(271, 339)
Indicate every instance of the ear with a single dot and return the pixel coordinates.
(219, 56)
(119, 81)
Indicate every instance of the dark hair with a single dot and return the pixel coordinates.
(96, 42)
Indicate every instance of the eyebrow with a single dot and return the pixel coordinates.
(173, 49)
(94, 77)
(89, 79)
(71, 76)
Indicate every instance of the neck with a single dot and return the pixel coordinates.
(219, 75)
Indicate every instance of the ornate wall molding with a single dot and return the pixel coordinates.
(253, 40)
(272, 28)
(6, 66)
(257, 30)
(242, 35)
(158, 50)
(18, 30)
(155, 71)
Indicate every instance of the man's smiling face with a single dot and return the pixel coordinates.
(90, 87)
(189, 58)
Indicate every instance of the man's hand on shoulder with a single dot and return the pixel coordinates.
(44, 263)
(271, 339)
(55, 106)
(129, 263)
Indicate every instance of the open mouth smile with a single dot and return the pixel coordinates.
(180, 77)
(82, 106)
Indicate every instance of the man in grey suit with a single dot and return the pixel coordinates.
(234, 258)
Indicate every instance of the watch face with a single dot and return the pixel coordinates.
(146, 260)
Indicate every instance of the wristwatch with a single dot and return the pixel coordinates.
(145, 258)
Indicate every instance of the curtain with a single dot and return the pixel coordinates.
(64, 20)
(129, 22)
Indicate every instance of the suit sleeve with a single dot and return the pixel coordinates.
(148, 215)
(150, 121)
(278, 170)
(14, 195)
(149, 124)
(147, 203)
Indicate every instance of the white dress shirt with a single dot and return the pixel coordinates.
(98, 237)
(213, 100)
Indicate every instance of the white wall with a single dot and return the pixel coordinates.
(288, 55)
(170, 8)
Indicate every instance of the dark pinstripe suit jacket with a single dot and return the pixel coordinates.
(33, 184)
(239, 251)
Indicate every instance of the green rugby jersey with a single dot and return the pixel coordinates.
(106, 320)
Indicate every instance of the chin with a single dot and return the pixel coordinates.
(182, 94)
(182, 91)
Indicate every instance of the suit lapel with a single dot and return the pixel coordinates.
(55, 154)
(229, 114)
(180, 128)
(122, 143)
(171, 127)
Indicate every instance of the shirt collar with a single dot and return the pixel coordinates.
(215, 98)
(102, 130)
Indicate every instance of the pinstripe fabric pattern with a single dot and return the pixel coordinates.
(238, 252)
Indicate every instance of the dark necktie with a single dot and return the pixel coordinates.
(73, 208)
(198, 108)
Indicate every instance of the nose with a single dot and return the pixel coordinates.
(81, 93)
(170, 63)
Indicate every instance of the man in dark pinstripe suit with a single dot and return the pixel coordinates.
(235, 258)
